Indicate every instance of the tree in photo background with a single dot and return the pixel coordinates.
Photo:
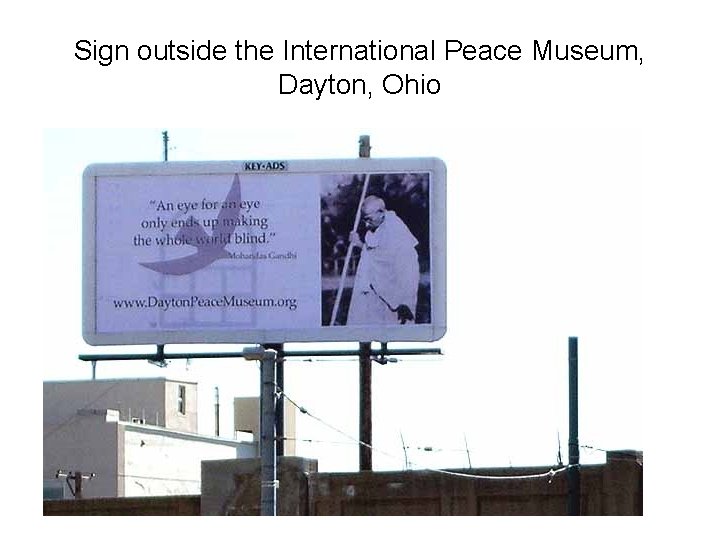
(407, 194)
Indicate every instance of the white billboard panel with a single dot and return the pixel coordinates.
(264, 251)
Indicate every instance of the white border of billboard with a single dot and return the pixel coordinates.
(133, 177)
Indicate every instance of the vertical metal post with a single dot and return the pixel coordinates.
(217, 411)
(165, 145)
(280, 399)
(268, 472)
(94, 369)
(573, 503)
(280, 403)
(364, 151)
(365, 407)
(365, 371)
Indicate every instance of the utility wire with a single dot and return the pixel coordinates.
(305, 411)
(316, 441)
(549, 474)
(637, 458)
(160, 478)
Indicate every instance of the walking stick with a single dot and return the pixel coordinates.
(349, 252)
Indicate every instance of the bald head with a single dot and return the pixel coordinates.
(373, 212)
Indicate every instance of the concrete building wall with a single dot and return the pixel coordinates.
(87, 443)
(177, 417)
(232, 487)
(157, 463)
(131, 460)
(129, 457)
(152, 401)
(247, 419)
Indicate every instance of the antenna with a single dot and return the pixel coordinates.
(467, 449)
(404, 451)
(559, 452)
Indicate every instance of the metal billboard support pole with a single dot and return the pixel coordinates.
(217, 411)
(268, 463)
(268, 471)
(573, 502)
(365, 382)
(280, 402)
(165, 145)
(365, 407)
(280, 399)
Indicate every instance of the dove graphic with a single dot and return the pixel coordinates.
(209, 248)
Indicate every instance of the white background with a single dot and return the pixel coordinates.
(288, 205)
(580, 202)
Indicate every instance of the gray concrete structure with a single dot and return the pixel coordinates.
(138, 436)
(232, 486)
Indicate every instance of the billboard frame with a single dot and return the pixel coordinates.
(409, 332)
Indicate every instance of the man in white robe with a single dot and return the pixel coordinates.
(387, 278)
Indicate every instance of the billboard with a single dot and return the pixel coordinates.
(264, 251)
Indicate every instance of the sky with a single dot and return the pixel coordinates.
(580, 202)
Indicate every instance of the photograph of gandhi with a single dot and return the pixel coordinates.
(375, 249)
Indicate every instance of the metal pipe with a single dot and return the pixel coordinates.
(165, 145)
(268, 472)
(286, 354)
(280, 399)
(573, 507)
(365, 407)
(217, 411)
(280, 402)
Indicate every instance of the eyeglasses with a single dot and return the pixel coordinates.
(370, 215)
